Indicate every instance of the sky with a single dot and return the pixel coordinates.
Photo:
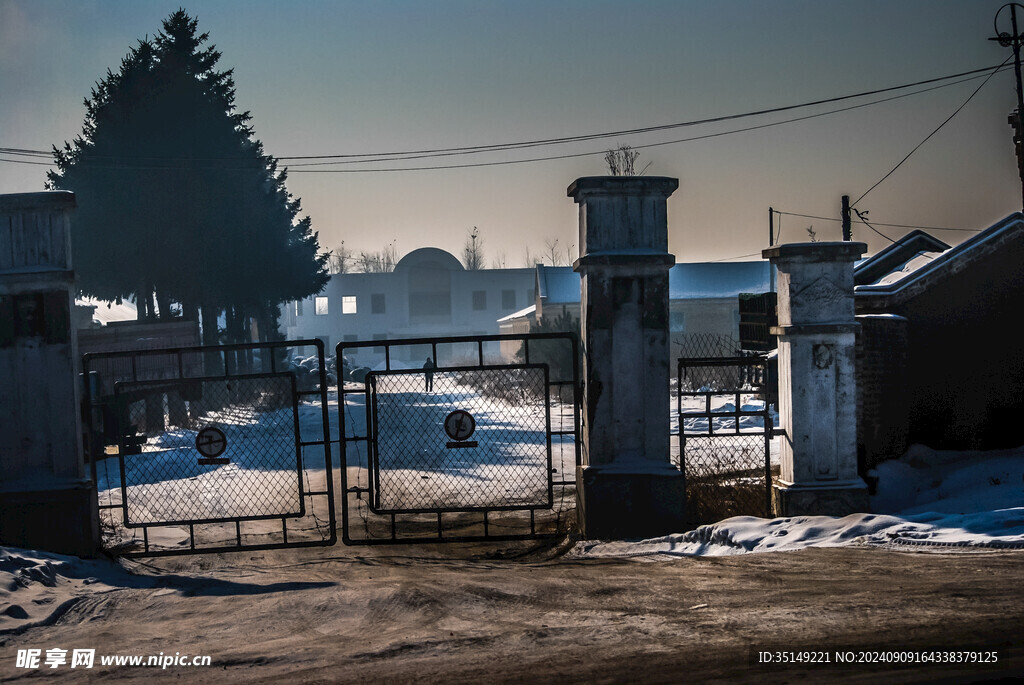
(340, 77)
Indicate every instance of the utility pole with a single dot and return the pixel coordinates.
(1014, 40)
(847, 230)
(771, 242)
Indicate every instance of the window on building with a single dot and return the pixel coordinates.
(350, 338)
(379, 349)
(298, 307)
(479, 300)
(348, 304)
(320, 306)
(376, 303)
(508, 299)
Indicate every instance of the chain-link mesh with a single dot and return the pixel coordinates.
(725, 476)
(504, 463)
(167, 479)
(724, 428)
(402, 483)
(209, 449)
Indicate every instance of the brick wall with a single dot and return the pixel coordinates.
(883, 397)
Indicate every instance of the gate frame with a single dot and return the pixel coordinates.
(91, 403)
(768, 431)
(346, 516)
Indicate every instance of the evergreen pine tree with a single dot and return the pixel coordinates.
(178, 202)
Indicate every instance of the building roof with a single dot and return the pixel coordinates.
(558, 284)
(430, 257)
(922, 269)
(107, 312)
(691, 281)
(526, 311)
(705, 280)
(897, 257)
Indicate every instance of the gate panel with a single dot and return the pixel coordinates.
(256, 474)
(418, 468)
(210, 449)
(481, 446)
(725, 431)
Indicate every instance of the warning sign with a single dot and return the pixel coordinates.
(211, 443)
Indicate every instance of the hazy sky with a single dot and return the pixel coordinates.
(332, 77)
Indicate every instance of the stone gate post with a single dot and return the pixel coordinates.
(817, 383)
(627, 486)
(46, 498)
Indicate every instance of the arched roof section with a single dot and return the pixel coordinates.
(430, 258)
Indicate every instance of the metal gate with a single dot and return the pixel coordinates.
(210, 449)
(724, 430)
(459, 438)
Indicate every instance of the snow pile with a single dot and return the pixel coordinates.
(38, 587)
(946, 499)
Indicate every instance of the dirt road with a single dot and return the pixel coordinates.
(457, 614)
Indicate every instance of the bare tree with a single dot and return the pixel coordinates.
(552, 253)
(812, 234)
(472, 252)
(341, 260)
(499, 261)
(379, 262)
(529, 260)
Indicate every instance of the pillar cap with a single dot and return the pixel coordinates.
(832, 251)
(51, 199)
(586, 186)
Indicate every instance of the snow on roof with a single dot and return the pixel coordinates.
(921, 269)
(526, 311)
(893, 257)
(691, 281)
(920, 260)
(703, 280)
(107, 312)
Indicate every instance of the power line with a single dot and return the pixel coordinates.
(948, 119)
(453, 152)
(646, 129)
(865, 222)
(602, 152)
(25, 161)
(443, 152)
(877, 223)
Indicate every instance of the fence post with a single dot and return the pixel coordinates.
(46, 499)
(626, 486)
(817, 382)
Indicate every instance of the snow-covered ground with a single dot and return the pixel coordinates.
(927, 499)
(962, 501)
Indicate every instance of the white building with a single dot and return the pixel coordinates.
(429, 294)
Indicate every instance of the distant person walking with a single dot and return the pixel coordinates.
(429, 375)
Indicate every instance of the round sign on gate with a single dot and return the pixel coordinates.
(211, 443)
(459, 425)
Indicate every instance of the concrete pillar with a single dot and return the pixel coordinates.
(627, 486)
(46, 499)
(817, 381)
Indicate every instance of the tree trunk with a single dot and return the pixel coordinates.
(163, 303)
